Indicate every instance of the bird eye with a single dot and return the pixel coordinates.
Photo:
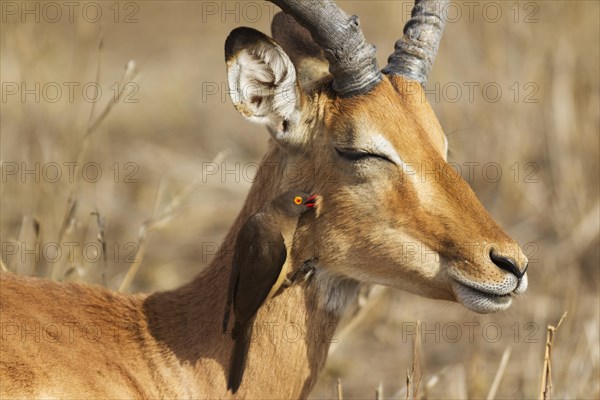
(298, 200)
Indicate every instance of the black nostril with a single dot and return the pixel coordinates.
(507, 264)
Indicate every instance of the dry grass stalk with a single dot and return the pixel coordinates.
(340, 395)
(416, 365)
(433, 380)
(379, 391)
(100, 238)
(28, 236)
(409, 385)
(59, 270)
(546, 387)
(415, 373)
(499, 374)
(68, 218)
(157, 220)
(128, 76)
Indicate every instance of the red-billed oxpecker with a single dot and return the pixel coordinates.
(259, 269)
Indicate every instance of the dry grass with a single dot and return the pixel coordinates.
(546, 387)
(151, 150)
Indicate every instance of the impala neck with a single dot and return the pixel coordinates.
(292, 332)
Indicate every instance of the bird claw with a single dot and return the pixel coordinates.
(287, 282)
(306, 270)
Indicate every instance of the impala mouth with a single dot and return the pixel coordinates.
(479, 300)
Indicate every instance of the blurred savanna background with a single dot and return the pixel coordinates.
(121, 151)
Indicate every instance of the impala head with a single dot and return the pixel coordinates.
(391, 211)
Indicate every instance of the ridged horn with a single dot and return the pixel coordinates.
(351, 59)
(414, 54)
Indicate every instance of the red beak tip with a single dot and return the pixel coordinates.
(310, 201)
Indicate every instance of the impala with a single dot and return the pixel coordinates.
(340, 127)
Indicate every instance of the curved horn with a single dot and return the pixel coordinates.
(414, 54)
(351, 59)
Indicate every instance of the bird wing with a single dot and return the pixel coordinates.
(233, 277)
(260, 254)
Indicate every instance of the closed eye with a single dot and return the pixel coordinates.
(355, 155)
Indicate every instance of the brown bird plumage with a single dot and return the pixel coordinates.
(258, 260)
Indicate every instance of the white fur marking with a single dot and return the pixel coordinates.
(382, 146)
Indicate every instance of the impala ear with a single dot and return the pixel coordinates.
(262, 81)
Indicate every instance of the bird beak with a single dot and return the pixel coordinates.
(310, 202)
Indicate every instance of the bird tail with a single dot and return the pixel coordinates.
(226, 316)
(230, 290)
(239, 355)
